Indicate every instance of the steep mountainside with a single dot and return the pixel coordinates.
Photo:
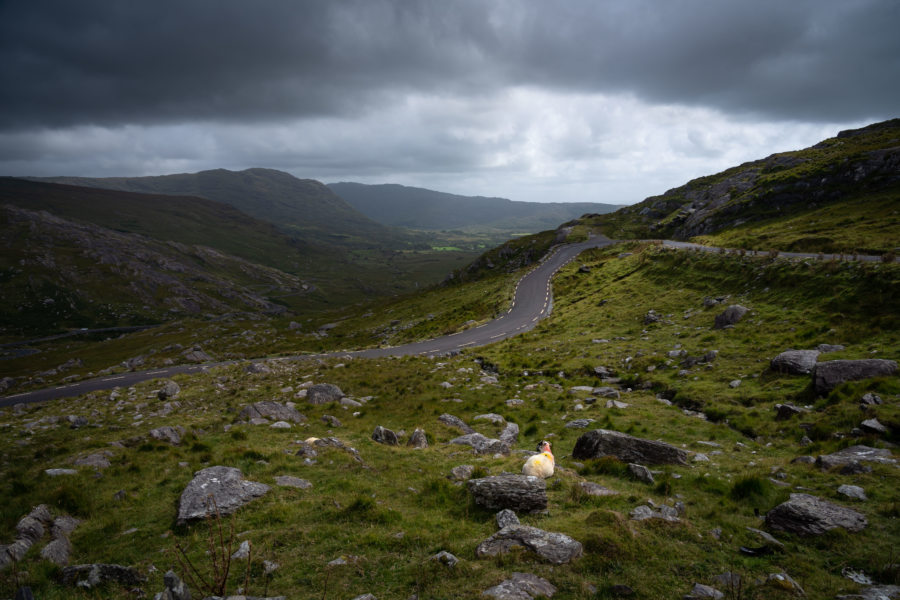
(860, 166)
(421, 208)
(299, 206)
(58, 273)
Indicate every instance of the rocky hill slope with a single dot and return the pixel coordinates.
(861, 165)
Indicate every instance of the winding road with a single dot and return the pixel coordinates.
(532, 301)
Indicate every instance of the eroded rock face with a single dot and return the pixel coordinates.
(268, 409)
(795, 362)
(519, 493)
(628, 449)
(227, 487)
(553, 547)
(807, 515)
(830, 374)
(731, 316)
(521, 586)
(323, 393)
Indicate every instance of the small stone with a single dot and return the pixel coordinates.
(242, 552)
(733, 384)
(170, 389)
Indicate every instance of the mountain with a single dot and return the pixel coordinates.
(840, 195)
(301, 207)
(420, 208)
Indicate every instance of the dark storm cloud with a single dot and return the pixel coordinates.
(89, 62)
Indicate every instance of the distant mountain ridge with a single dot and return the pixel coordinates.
(420, 208)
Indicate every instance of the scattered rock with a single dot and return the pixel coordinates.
(734, 383)
(702, 592)
(291, 481)
(795, 362)
(602, 442)
(91, 576)
(785, 582)
(59, 472)
(494, 418)
(175, 588)
(873, 426)
(870, 399)
(323, 393)
(332, 421)
(595, 489)
(168, 434)
(506, 517)
(417, 440)
(482, 444)
(226, 485)
(852, 491)
(830, 374)
(462, 472)
(807, 515)
(731, 316)
(169, 389)
(521, 586)
(641, 473)
(855, 454)
(520, 493)
(98, 460)
(260, 368)
(579, 423)
(268, 409)
(510, 434)
(825, 348)
(196, 354)
(783, 412)
(875, 592)
(445, 558)
(242, 552)
(664, 512)
(651, 317)
(606, 392)
(456, 422)
(385, 436)
(553, 547)
(768, 539)
(616, 404)
(280, 425)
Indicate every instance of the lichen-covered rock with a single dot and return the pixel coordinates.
(323, 393)
(505, 518)
(795, 362)
(629, 449)
(830, 374)
(520, 493)
(456, 422)
(481, 443)
(227, 487)
(553, 547)
(269, 409)
(807, 515)
(521, 586)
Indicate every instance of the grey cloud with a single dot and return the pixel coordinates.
(65, 63)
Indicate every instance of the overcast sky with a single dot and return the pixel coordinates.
(566, 100)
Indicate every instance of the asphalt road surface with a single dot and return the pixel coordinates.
(533, 300)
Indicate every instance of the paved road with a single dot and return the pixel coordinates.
(692, 246)
(533, 300)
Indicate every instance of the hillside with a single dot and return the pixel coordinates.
(302, 207)
(420, 208)
(839, 195)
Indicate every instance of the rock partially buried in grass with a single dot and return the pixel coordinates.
(601, 442)
(795, 362)
(520, 493)
(226, 485)
(807, 515)
(855, 455)
(731, 316)
(830, 374)
(553, 547)
(323, 393)
(91, 576)
(521, 586)
(417, 440)
(385, 436)
(271, 410)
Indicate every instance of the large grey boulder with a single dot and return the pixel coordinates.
(510, 434)
(807, 515)
(268, 409)
(481, 443)
(553, 547)
(628, 449)
(795, 362)
(227, 487)
(830, 374)
(169, 389)
(521, 586)
(519, 493)
(57, 551)
(855, 455)
(323, 393)
(731, 316)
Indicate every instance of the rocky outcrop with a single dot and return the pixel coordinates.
(830, 374)
(556, 548)
(795, 362)
(807, 515)
(217, 488)
(628, 449)
(519, 493)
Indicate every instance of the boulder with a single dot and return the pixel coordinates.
(521, 586)
(556, 548)
(226, 485)
(873, 425)
(482, 444)
(505, 518)
(175, 588)
(807, 515)
(57, 551)
(494, 418)
(169, 389)
(602, 442)
(510, 434)
(830, 374)
(855, 454)
(795, 362)
(331, 421)
(462, 472)
(91, 576)
(456, 422)
(730, 316)
(519, 493)
(641, 473)
(784, 412)
(269, 409)
(385, 436)
(323, 393)
(417, 440)
(168, 434)
(852, 491)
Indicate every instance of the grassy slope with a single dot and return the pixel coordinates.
(398, 508)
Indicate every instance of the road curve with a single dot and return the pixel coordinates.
(532, 301)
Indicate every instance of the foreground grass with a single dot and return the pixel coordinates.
(398, 507)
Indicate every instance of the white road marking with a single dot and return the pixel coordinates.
(157, 372)
(493, 337)
(113, 378)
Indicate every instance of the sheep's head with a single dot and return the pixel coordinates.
(543, 446)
